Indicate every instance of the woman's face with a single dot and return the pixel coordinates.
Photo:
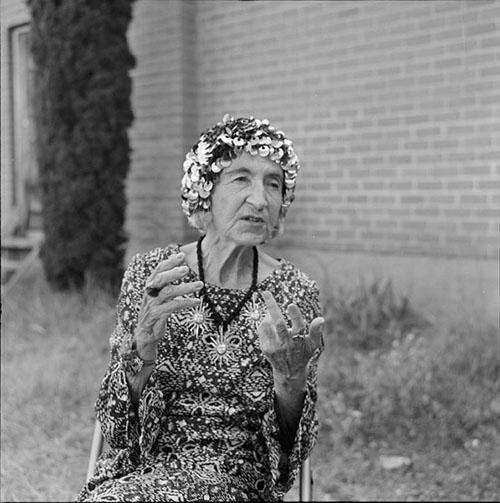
(246, 200)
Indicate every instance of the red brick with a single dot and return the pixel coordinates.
(429, 185)
(444, 170)
(411, 199)
(369, 185)
(472, 199)
(490, 213)
(475, 227)
(432, 212)
(460, 184)
(475, 170)
(357, 199)
(401, 185)
(415, 224)
(488, 185)
(486, 43)
(490, 100)
(430, 131)
(479, 29)
(386, 224)
(442, 200)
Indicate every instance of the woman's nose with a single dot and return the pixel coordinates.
(257, 196)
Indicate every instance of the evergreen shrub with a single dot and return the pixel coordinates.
(83, 111)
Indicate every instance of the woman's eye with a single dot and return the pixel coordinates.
(274, 184)
(240, 179)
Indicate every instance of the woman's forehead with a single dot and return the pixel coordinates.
(254, 163)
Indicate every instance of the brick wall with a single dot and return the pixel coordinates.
(162, 99)
(394, 109)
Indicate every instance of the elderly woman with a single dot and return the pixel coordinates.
(211, 388)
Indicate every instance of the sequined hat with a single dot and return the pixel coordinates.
(222, 143)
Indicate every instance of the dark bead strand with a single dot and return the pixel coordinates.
(219, 320)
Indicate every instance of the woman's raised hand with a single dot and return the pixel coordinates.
(288, 351)
(162, 300)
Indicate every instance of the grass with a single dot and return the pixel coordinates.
(422, 391)
(54, 351)
(393, 384)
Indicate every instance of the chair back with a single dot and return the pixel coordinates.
(95, 449)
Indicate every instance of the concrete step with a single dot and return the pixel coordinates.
(17, 247)
(17, 243)
(10, 265)
(14, 267)
(6, 276)
(30, 238)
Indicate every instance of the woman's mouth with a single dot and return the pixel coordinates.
(255, 220)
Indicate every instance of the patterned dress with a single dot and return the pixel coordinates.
(206, 426)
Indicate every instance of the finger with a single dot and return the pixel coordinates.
(148, 317)
(162, 278)
(154, 311)
(159, 280)
(267, 334)
(159, 314)
(153, 319)
(275, 313)
(296, 318)
(170, 262)
(316, 332)
(272, 306)
(166, 265)
(181, 303)
(171, 291)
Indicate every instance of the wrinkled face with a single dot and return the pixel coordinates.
(246, 200)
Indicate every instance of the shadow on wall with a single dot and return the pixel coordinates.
(443, 289)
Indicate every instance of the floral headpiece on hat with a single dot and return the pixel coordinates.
(222, 143)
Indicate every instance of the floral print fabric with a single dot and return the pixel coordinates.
(206, 425)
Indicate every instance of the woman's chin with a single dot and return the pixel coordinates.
(252, 238)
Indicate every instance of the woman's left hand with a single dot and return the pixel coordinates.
(288, 351)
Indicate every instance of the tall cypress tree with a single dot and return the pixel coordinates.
(83, 111)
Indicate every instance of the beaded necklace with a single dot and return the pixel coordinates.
(218, 319)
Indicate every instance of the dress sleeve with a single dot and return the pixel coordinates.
(124, 427)
(114, 406)
(284, 467)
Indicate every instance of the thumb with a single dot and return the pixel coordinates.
(316, 332)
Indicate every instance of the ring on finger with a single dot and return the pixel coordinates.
(152, 292)
(300, 334)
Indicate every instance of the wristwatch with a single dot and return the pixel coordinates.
(133, 363)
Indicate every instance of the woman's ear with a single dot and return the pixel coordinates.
(200, 220)
(279, 227)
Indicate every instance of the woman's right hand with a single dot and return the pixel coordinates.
(155, 310)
